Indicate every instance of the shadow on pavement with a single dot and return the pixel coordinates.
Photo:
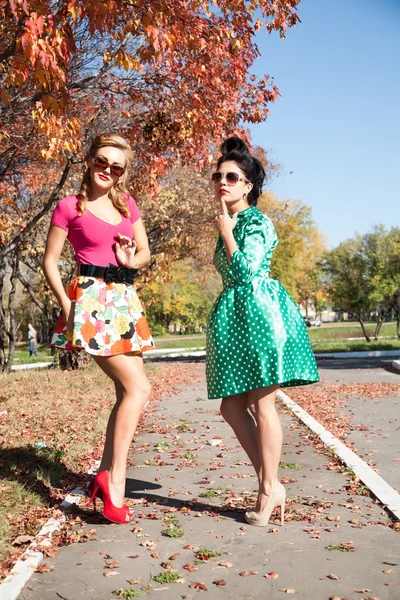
(136, 489)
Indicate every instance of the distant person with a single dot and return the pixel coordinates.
(32, 339)
(102, 313)
(257, 340)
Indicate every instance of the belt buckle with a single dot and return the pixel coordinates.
(121, 275)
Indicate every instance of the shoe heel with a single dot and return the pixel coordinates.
(95, 491)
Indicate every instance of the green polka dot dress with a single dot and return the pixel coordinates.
(256, 336)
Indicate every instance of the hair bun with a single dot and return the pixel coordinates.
(234, 145)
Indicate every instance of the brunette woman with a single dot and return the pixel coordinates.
(257, 341)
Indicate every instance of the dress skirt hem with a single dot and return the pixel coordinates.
(108, 320)
(282, 384)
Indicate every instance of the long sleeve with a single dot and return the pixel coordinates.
(258, 239)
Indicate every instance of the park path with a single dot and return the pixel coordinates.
(334, 542)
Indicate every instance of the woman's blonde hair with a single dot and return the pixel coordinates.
(118, 192)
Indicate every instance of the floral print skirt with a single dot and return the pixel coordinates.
(108, 319)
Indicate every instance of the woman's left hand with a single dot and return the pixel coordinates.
(125, 250)
(223, 223)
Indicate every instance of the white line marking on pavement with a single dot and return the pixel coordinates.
(378, 486)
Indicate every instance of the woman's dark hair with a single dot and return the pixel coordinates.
(234, 148)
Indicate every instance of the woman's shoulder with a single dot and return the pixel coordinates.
(258, 218)
(133, 208)
(68, 203)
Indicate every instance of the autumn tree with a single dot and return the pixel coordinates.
(170, 76)
(301, 245)
(186, 296)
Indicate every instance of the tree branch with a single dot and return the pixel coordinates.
(53, 196)
(31, 292)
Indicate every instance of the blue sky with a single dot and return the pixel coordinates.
(337, 124)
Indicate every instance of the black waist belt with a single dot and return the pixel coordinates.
(110, 274)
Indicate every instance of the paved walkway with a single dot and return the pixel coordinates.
(333, 544)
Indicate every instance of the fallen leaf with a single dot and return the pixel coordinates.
(247, 573)
(43, 568)
(272, 575)
(288, 590)
(363, 591)
(220, 582)
(333, 577)
(190, 568)
(174, 556)
(188, 547)
(133, 581)
(112, 565)
(198, 586)
(228, 565)
(166, 565)
(110, 573)
(22, 539)
(388, 571)
(155, 555)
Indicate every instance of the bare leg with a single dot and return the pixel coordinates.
(106, 459)
(234, 411)
(127, 372)
(261, 403)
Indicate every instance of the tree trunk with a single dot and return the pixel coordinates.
(2, 318)
(364, 330)
(11, 312)
(378, 328)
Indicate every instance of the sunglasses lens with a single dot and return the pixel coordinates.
(102, 163)
(232, 178)
(117, 171)
(216, 177)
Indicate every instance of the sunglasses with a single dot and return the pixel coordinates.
(231, 178)
(102, 163)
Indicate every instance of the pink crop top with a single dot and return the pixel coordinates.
(92, 239)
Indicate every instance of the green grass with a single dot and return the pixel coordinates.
(342, 333)
(128, 593)
(167, 577)
(203, 554)
(338, 547)
(323, 339)
(214, 492)
(288, 465)
(355, 345)
(160, 446)
(182, 428)
(173, 532)
(181, 341)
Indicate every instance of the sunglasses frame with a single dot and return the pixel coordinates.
(220, 176)
(106, 165)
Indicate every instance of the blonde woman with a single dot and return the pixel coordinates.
(101, 313)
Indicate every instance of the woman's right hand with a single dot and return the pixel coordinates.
(68, 314)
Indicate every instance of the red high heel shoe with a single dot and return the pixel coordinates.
(111, 512)
(90, 490)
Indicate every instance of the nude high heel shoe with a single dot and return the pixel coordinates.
(261, 519)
